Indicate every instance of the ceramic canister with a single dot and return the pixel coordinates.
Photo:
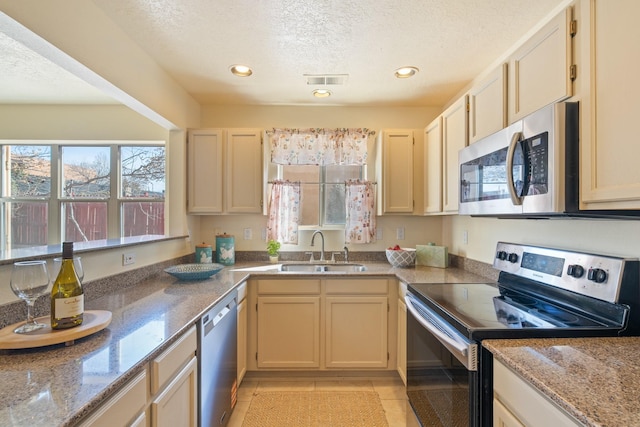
(225, 249)
(204, 253)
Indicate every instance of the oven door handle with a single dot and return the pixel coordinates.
(438, 327)
(511, 186)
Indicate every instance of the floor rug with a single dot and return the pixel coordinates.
(315, 409)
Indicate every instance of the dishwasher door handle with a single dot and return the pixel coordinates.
(210, 324)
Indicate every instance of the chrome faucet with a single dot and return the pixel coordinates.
(346, 254)
(313, 238)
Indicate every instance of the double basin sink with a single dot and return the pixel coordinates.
(323, 268)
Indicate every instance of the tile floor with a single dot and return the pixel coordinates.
(390, 389)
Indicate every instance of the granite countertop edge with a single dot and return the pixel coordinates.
(596, 380)
(156, 300)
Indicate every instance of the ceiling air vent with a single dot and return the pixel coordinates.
(326, 79)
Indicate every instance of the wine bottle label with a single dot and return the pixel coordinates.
(69, 307)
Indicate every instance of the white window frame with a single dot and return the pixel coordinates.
(115, 201)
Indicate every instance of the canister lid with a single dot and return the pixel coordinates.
(224, 235)
(203, 245)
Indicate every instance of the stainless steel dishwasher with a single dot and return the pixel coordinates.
(217, 362)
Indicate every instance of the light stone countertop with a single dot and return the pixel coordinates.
(58, 385)
(597, 380)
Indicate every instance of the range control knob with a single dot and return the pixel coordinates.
(597, 275)
(501, 255)
(575, 270)
(513, 257)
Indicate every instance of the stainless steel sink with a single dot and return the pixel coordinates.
(323, 268)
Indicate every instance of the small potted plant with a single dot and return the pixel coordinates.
(273, 248)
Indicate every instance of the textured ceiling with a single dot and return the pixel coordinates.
(450, 41)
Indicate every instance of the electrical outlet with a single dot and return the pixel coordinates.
(378, 233)
(129, 258)
(400, 233)
(465, 237)
(248, 234)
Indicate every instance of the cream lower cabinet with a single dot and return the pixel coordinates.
(356, 318)
(516, 403)
(402, 333)
(165, 393)
(126, 407)
(288, 324)
(321, 324)
(242, 332)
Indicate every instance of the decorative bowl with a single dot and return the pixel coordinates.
(403, 257)
(194, 271)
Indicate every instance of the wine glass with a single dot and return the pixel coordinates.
(77, 264)
(29, 280)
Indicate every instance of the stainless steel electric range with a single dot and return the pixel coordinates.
(541, 292)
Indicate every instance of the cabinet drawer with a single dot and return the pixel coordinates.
(357, 286)
(168, 363)
(525, 402)
(294, 286)
(125, 404)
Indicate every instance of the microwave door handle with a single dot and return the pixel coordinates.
(511, 186)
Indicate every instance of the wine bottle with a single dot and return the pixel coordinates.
(67, 295)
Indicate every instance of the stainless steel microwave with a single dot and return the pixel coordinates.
(527, 169)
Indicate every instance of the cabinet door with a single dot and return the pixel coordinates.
(242, 340)
(288, 332)
(502, 417)
(540, 70)
(608, 72)
(244, 171)
(395, 185)
(356, 335)
(177, 405)
(123, 406)
(488, 105)
(454, 138)
(402, 340)
(204, 172)
(433, 167)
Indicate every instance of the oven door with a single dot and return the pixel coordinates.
(442, 377)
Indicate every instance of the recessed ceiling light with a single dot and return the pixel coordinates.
(405, 72)
(321, 93)
(241, 70)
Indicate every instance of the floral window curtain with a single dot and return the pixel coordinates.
(319, 146)
(284, 212)
(361, 213)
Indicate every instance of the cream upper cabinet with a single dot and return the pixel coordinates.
(609, 111)
(488, 105)
(517, 403)
(540, 71)
(394, 171)
(432, 160)
(244, 171)
(224, 171)
(204, 170)
(454, 138)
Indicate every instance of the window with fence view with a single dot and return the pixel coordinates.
(57, 192)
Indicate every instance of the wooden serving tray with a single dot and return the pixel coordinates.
(94, 321)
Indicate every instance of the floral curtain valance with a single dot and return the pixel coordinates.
(318, 146)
